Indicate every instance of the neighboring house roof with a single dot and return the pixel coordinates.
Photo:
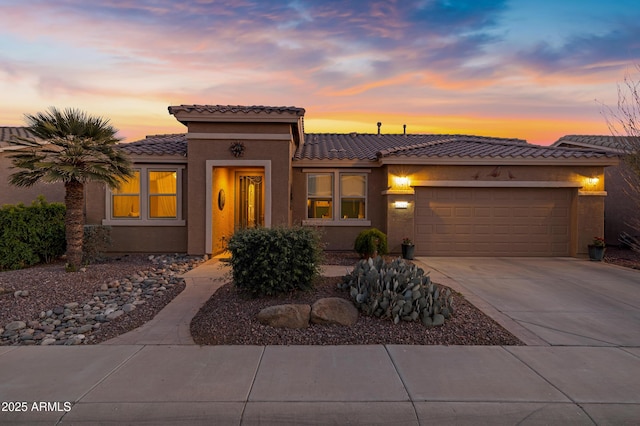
(8, 135)
(234, 109)
(373, 147)
(175, 144)
(616, 144)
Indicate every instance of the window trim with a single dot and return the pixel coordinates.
(336, 198)
(144, 219)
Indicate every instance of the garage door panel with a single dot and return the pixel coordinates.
(493, 221)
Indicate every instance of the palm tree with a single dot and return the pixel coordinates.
(73, 148)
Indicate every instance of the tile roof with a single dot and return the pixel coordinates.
(607, 143)
(234, 109)
(373, 147)
(8, 135)
(174, 144)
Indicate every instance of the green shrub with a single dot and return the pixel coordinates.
(397, 291)
(371, 243)
(97, 238)
(271, 261)
(31, 234)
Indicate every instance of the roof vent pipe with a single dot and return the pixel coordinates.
(379, 125)
(404, 129)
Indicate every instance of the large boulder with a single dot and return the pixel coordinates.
(334, 310)
(285, 316)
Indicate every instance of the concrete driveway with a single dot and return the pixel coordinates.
(549, 301)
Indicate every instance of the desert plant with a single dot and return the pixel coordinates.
(371, 243)
(271, 261)
(73, 148)
(398, 291)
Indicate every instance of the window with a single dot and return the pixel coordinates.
(150, 197)
(320, 198)
(126, 199)
(353, 194)
(162, 194)
(337, 197)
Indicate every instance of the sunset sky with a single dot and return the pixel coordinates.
(535, 70)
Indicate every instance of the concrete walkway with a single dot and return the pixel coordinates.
(156, 375)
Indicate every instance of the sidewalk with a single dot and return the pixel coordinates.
(157, 375)
(279, 385)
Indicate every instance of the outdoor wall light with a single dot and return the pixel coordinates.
(401, 204)
(593, 180)
(401, 182)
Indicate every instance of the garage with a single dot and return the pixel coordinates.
(493, 221)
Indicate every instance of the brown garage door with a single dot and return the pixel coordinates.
(493, 221)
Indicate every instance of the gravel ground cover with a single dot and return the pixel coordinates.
(49, 286)
(34, 295)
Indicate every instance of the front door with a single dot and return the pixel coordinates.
(250, 200)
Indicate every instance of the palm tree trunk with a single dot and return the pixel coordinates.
(74, 222)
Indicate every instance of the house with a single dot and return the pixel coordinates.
(453, 195)
(11, 194)
(619, 206)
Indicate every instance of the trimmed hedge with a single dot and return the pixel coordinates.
(271, 261)
(371, 243)
(31, 234)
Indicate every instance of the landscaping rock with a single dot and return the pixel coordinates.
(334, 310)
(15, 325)
(286, 316)
(73, 323)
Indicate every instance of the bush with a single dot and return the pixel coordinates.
(271, 261)
(97, 238)
(371, 243)
(31, 234)
(398, 291)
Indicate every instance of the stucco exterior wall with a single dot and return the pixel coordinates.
(9, 194)
(136, 239)
(342, 237)
(588, 220)
(217, 148)
(620, 207)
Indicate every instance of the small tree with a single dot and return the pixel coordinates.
(624, 123)
(74, 148)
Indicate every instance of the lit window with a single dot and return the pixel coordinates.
(320, 196)
(353, 194)
(126, 199)
(162, 194)
(337, 196)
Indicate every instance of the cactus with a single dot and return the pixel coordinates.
(397, 291)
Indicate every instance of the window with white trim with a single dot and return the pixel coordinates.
(151, 197)
(336, 196)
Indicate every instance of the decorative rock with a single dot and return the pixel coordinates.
(85, 328)
(70, 324)
(128, 307)
(15, 325)
(286, 316)
(115, 314)
(334, 310)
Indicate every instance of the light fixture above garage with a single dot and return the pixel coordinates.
(401, 182)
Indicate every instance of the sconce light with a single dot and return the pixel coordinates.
(593, 180)
(402, 182)
(401, 204)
